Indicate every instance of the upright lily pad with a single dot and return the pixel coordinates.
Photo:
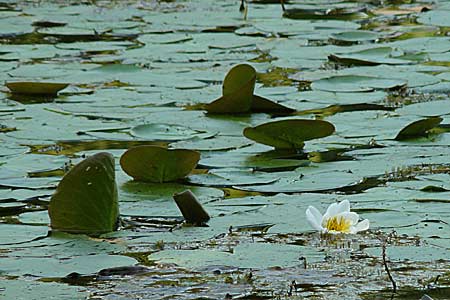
(237, 91)
(36, 88)
(238, 97)
(418, 128)
(86, 199)
(158, 164)
(289, 134)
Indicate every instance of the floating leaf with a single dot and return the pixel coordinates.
(158, 164)
(166, 132)
(433, 189)
(36, 88)
(356, 83)
(418, 128)
(238, 97)
(86, 199)
(368, 57)
(435, 17)
(288, 134)
(326, 13)
(355, 36)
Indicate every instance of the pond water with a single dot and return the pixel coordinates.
(135, 69)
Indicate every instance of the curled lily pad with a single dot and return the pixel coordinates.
(158, 164)
(237, 91)
(418, 128)
(289, 134)
(238, 97)
(36, 88)
(86, 199)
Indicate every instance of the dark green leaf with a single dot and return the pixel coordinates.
(418, 128)
(85, 200)
(288, 134)
(158, 164)
(36, 88)
(237, 91)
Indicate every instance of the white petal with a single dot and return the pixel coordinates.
(361, 226)
(350, 216)
(332, 210)
(314, 218)
(343, 206)
(316, 213)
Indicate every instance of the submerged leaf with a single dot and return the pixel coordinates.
(288, 134)
(36, 88)
(418, 128)
(86, 199)
(158, 164)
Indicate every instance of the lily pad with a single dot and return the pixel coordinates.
(368, 57)
(356, 83)
(86, 199)
(36, 88)
(289, 134)
(237, 91)
(418, 128)
(435, 17)
(355, 36)
(323, 12)
(238, 97)
(158, 164)
(243, 256)
(166, 132)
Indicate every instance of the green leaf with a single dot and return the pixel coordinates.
(263, 105)
(36, 88)
(418, 128)
(167, 132)
(237, 91)
(288, 134)
(238, 97)
(356, 83)
(158, 164)
(86, 199)
(355, 36)
(368, 57)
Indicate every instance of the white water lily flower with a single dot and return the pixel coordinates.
(337, 219)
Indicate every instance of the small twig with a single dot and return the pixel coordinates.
(292, 288)
(244, 8)
(282, 5)
(386, 267)
(304, 261)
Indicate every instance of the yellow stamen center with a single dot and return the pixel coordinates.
(338, 224)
